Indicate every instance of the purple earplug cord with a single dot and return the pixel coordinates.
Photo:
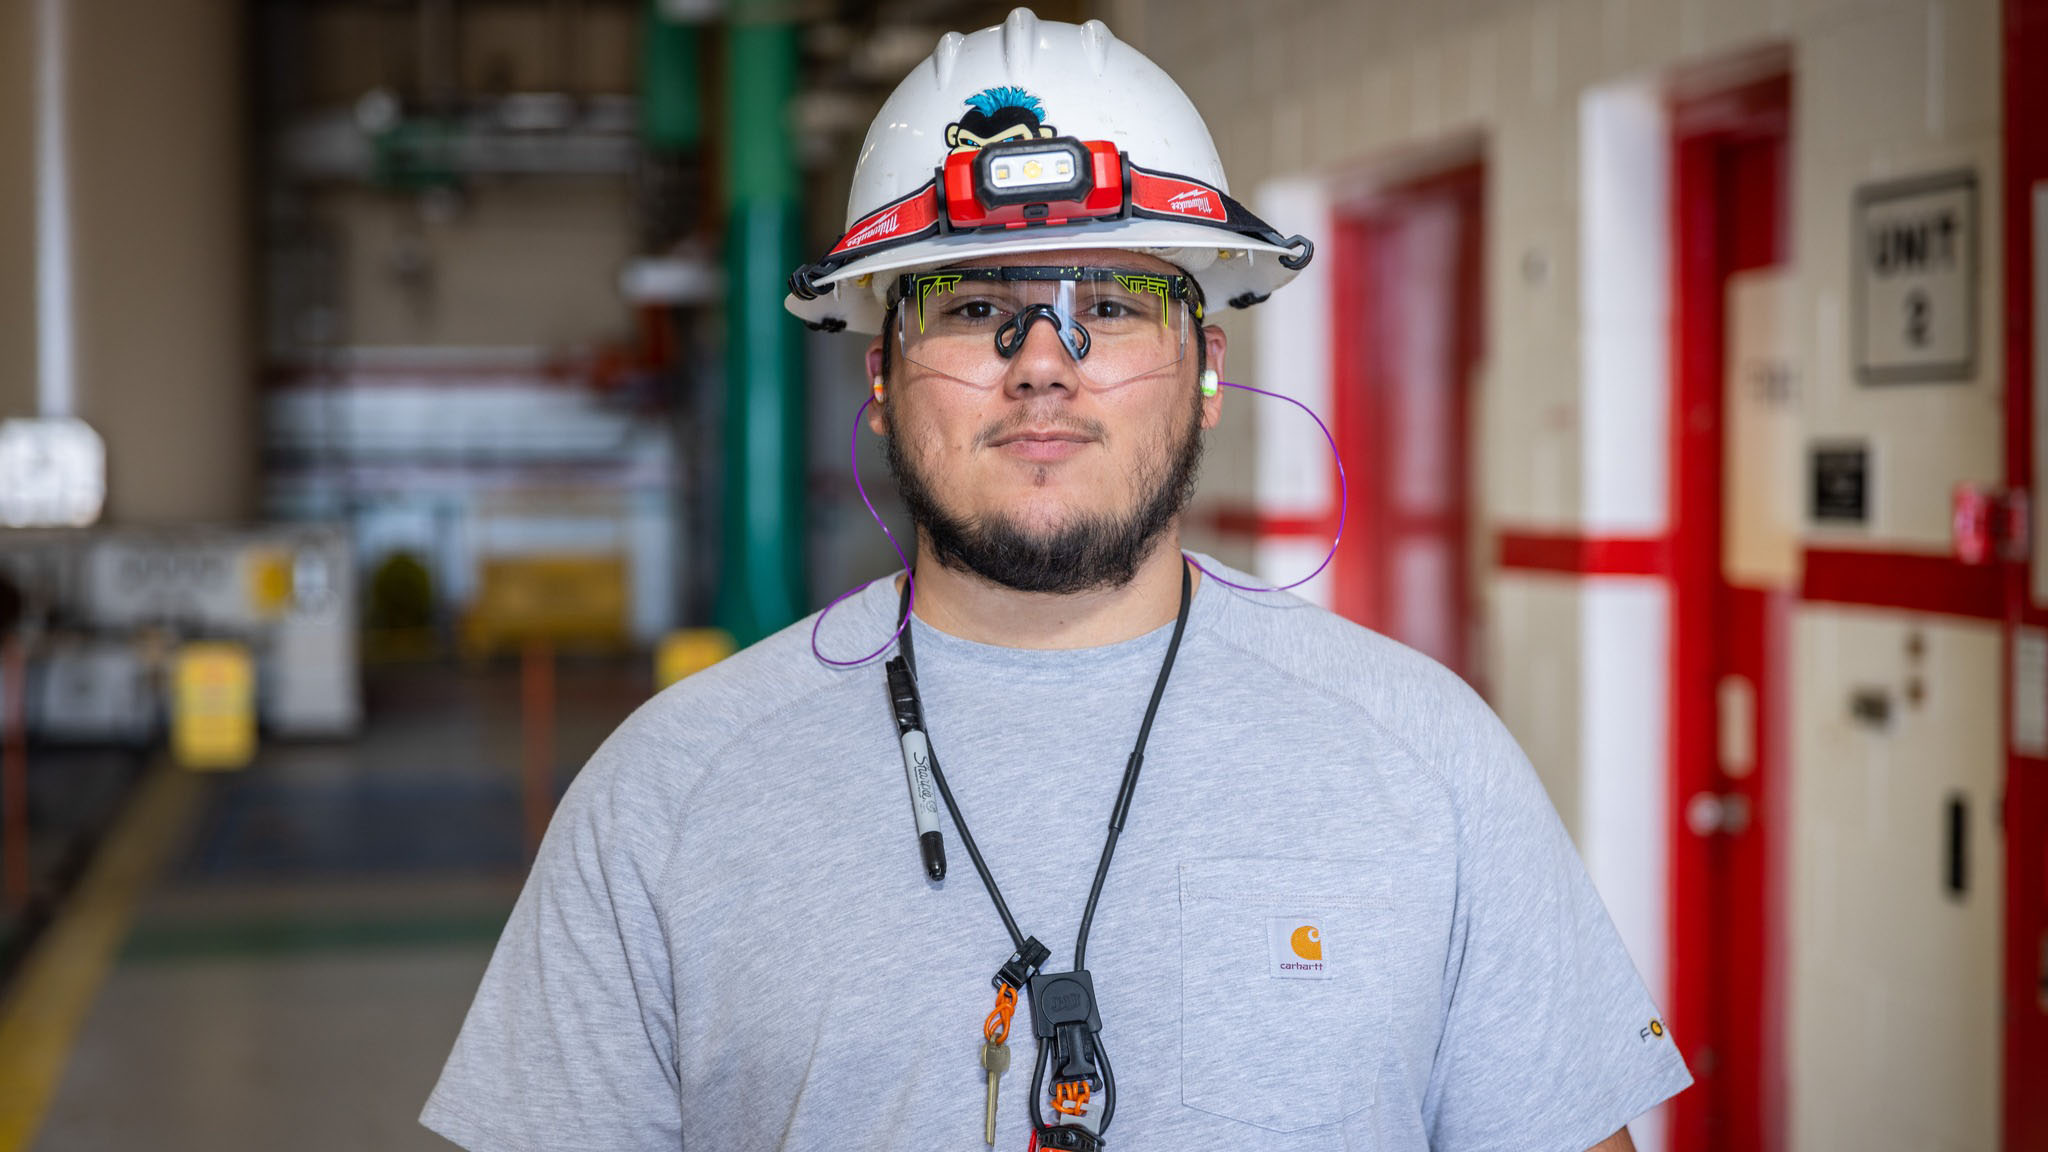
(853, 455)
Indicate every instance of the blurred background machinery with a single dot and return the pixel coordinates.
(106, 609)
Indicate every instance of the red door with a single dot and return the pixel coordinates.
(1407, 343)
(2026, 782)
(1729, 643)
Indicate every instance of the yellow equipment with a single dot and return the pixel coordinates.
(570, 600)
(688, 651)
(213, 706)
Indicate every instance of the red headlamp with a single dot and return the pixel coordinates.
(1017, 183)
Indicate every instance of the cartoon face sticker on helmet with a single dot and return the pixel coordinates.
(996, 114)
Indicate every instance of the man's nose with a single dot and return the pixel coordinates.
(1042, 364)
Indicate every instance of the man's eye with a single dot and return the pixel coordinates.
(971, 311)
(1112, 310)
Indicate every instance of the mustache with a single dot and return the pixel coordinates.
(1051, 420)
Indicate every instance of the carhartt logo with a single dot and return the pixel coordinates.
(1297, 948)
(1307, 942)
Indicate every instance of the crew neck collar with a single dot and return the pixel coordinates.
(878, 614)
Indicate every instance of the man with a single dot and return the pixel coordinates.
(1334, 910)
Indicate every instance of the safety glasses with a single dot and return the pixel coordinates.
(1115, 325)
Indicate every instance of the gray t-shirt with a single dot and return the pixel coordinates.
(1343, 913)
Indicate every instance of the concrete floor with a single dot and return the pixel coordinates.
(298, 972)
(73, 794)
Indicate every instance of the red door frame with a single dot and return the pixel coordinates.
(2025, 1119)
(1366, 375)
(1729, 164)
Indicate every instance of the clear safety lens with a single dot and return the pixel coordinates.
(1115, 326)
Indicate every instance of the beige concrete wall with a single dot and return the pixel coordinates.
(161, 229)
(1894, 1018)
(1889, 91)
(1348, 91)
(530, 262)
(1534, 646)
(17, 210)
(501, 45)
(521, 263)
(1893, 1040)
(1882, 88)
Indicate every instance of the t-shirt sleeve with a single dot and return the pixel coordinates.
(570, 1042)
(1551, 1042)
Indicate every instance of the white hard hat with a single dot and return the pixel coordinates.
(1074, 97)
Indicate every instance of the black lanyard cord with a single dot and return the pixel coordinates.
(1125, 791)
(1129, 787)
(988, 880)
(1117, 815)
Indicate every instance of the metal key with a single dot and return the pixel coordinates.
(995, 1058)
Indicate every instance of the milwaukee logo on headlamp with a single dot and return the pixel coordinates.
(1041, 183)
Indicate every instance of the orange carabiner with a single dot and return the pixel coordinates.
(996, 1029)
(1070, 1097)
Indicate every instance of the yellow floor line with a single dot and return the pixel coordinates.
(58, 982)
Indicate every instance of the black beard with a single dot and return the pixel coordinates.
(1094, 551)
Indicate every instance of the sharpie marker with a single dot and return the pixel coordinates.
(917, 767)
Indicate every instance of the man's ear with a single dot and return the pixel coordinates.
(952, 135)
(1217, 343)
(1046, 132)
(878, 423)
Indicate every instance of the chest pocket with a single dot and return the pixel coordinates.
(1264, 1040)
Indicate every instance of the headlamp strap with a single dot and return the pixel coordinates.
(1151, 195)
(902, 221)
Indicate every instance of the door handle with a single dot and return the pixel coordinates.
(1717, 814)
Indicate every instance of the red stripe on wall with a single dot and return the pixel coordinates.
(1909, 581)
(1585, 555)
(1914, 581)
(1239, 520)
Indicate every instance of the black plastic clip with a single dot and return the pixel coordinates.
(1068, 1137)
(1063, 1011)
(1023, 964)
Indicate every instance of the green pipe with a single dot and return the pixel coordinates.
(761, 588)
(671, 102)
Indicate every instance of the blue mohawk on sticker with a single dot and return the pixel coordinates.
(990, 101)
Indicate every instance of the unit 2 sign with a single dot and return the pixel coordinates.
(1916, 279)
